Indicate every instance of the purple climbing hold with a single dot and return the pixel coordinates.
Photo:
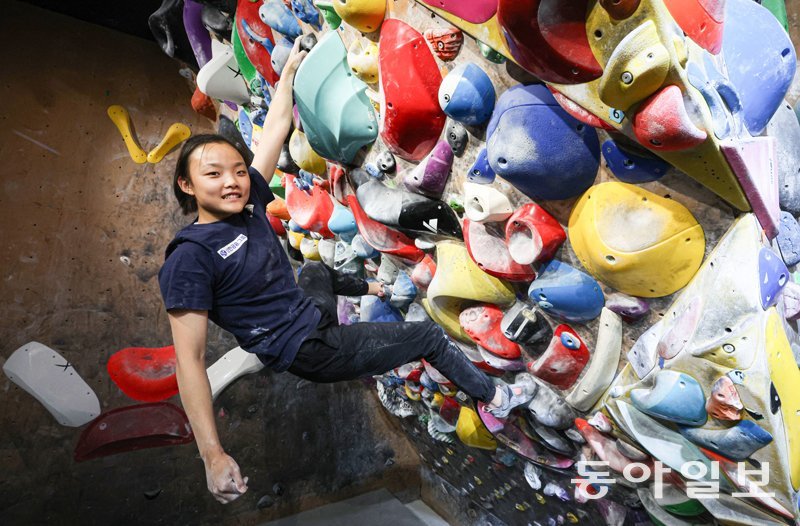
(196, 31)
(789, 239)
(430, 176)
(629, 307)
(773, 276)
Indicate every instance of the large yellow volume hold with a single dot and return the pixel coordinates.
(633, 240)
(122, 120)
(176, 134)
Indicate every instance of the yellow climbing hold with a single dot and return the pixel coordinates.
(303, 155)
(458, 280)
(786, 378)
(363, 60)
(638, 242)
(122, 120)
(176, 134)
(296, 239)
(364, 15)
(637, 67)
(472, 432)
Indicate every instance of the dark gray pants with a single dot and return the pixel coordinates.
(333, 353)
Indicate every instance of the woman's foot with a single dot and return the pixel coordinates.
(507, 397)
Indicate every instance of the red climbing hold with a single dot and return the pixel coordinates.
(145, 374)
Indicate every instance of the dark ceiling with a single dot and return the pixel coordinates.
(126, 16)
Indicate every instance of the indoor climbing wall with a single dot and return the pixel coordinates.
(595, 200)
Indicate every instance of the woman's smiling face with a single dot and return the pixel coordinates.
(219, 181)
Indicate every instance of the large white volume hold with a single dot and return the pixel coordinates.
(233, 364)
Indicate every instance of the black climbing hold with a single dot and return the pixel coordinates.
(150, 495)
(308, 42)
(386, 162)
(285, 162)
(265, 502)
(277, 489)
(774, 399)
(457, 137)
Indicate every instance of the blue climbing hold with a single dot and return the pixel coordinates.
(773, 275)
(245, 127)
(736, 443)
(374, 309)
(342, 223)
(632, 168)
(276, 15)
(280, 54)
(481, 172)
(538, 147)
(676, 397)
(305, 11)
(467, 95)
(761, 73)
(403, 291)
(789, 239)
(566, 292)
(363, 249)
(294, 227)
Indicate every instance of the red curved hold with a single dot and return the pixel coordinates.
(531, 220)
(143, 373)
(133, 427)
(423, 273)
(579, 112)
(277, 225)
(482, 324)
(381, 237)
(474, 11)
(620, 9)
(548, 38)
(247, 11)
(337, 178)
(411, 118)
(702, 20)
(662, 123)
(491, 254)
(561, 365)
(310, 211)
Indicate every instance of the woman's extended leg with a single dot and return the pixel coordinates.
(365, 349)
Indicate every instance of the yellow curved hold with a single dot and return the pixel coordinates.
(176, 134)
(457, 282)
(122, 120)
(472, 432)
(364, 15)
(295, 239)
(363, 60)
(785, 377)
(310, 249)
(635, 241)
(636, 69)
(303, 155)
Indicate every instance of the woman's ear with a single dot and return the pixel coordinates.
(185, 186)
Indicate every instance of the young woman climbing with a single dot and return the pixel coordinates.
(228, 266)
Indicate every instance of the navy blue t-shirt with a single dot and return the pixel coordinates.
(237, 270)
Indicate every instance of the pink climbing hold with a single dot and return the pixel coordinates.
(662, 123)
(474, 11)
